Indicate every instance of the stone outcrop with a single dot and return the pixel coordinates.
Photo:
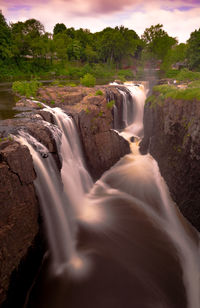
(102, 146)
(18, 210)
(172, 136)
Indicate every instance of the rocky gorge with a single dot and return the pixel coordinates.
(171, 136)
(20, 221)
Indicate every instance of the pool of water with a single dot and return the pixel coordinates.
(7, 102)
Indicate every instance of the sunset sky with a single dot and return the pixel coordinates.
(179, 17)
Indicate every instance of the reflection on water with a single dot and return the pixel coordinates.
(7, 102)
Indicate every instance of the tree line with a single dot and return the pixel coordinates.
(26, 45)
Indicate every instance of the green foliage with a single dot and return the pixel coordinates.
(98, 92)
(167, 91)
(52, 102)
(100, 114)
(88, 80)
(194, 84)
(87, 111)
(110, 104)
(125, 74)
(40, 105)
(157, 42)
(26, 88)
(59, 27)
(172, 74)
(186, 75)
(177, 54)
(193, 51)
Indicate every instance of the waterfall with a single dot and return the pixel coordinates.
(124, 231)
(60, 195)
(75, 177)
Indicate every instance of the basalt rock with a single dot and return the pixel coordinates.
(103, 146)
(172, 136)
(18, 211)
(93, 116)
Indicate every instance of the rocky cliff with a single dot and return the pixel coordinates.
(19, 210)
(93, 115)
(172, 136)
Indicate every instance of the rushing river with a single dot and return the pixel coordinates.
(120, 242)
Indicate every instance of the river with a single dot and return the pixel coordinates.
(119, 242)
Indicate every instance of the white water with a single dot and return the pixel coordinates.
(60, 196)
(143, 252)
(75, 177)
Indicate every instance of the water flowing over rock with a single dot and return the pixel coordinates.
(19, 204)
(134, 247)
(120, 241)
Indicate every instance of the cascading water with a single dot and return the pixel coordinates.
(142, 252)
(59, 197)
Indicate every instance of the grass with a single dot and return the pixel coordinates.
(183, 75)
(167, 91)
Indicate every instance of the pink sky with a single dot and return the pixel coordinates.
(179, 17)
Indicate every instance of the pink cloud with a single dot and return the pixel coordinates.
(98, 14)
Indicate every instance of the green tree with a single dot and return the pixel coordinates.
(5, 39)
(90, 54)
(74, 50)
(174, 55)
(60, 43)
(193, 51)
(157, 42)
(59, 28)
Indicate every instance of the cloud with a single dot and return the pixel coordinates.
(178, 17)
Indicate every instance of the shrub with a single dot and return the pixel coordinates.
(172, 73)
(26, 88)
(110, 104)
(98, 92)
(88, 80)
(125, 74)
(186, 75)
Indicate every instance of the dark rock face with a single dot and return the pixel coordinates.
(172, 136)
(103, 147)
(18, 210)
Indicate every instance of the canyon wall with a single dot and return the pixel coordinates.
(172, 137)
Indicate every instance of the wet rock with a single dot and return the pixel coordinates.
(172, 136)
